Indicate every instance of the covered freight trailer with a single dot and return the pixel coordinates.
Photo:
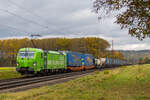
(78, 61)
(89, 61)
(109, 62)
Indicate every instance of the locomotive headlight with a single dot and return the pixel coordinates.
(17, 64)
(34, 64)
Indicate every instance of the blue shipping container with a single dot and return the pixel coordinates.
(88, 60)
(75, 59)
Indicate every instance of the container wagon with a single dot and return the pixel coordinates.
(99, 63)
(78, 61)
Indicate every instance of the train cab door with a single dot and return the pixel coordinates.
(42, 59)
(45, 60)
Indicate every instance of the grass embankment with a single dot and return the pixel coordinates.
(125, 83)
(8, 72)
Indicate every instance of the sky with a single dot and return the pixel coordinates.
(62, 18)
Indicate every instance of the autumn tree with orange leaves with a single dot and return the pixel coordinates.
(92, 45)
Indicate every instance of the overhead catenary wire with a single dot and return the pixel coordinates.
(26, 19)
(31, 21)
(31, 35)
(17, 29)
(46, 27)
(27, 10)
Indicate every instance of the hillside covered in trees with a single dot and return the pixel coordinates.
(92, 45)
(136, 56)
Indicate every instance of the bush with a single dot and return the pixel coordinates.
(106, 72)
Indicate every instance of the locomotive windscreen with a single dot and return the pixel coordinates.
(26, 54)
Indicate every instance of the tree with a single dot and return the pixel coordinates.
(115, 55)
(141, 61)
(96, 46)
(146, 60)
(135, 15)
(63, 44)
(91, 45)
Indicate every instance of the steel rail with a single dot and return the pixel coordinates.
(23, 82)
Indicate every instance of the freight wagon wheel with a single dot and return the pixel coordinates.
(68, 70)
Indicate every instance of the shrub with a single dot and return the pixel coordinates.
(106, 72)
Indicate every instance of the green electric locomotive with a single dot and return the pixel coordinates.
(34, 61)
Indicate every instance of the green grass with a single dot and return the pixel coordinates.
(125, 83)
(8, 72)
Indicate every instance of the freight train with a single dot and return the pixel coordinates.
(38, 61)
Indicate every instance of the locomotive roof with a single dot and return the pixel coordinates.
(31, 49)
(56, 52)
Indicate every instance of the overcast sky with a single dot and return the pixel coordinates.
(62, 18)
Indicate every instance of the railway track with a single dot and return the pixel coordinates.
(28, 83)
(21, 84)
